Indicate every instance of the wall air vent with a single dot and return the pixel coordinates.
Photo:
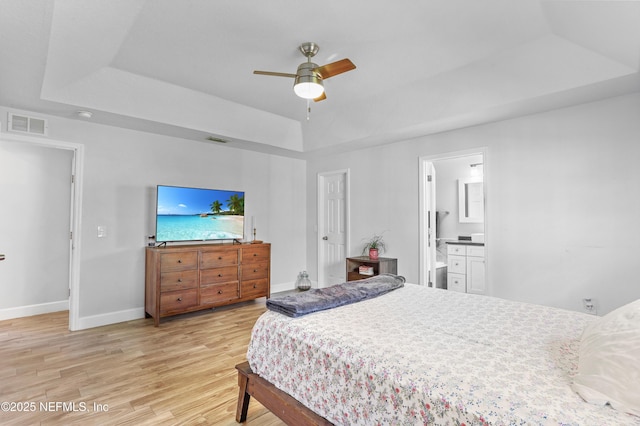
(24, 124)
(218, 140)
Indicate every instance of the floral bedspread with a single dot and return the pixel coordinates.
(420, 355)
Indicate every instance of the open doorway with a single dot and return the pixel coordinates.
(452, 210)
(41, 226)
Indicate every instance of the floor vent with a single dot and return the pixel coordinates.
(24, 124)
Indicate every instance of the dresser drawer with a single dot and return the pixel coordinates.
(255, 271)
(178, 301)
(218, 275)
(213, 259)
(456, 264)
(178, 261)
(255, 254)
(181, 280)
(218, 293)
(254, 288)
(456, 282)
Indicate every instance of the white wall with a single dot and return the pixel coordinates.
(121, 170)
(563, 216)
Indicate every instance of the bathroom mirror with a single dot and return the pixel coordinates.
(471, 200)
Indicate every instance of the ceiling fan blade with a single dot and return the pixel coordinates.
(276, 74)
(321, 97)
(335, 68)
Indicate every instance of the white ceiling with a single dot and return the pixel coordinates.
(184, 68)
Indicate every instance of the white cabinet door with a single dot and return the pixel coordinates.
(475, 275)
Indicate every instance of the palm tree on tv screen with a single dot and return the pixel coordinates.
(216, 206)
(236, 204)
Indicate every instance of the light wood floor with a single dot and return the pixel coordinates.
(182, 372)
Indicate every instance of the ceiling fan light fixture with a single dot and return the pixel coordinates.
(308, 84)
(308, 89)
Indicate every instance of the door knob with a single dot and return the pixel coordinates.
(325, 238)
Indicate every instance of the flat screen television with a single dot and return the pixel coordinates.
(198, 214)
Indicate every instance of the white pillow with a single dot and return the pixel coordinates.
(609, 362)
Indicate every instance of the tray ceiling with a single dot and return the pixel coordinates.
(185, 68)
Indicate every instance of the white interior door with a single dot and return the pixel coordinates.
(36, 193)
(333, 204)
(428, 250)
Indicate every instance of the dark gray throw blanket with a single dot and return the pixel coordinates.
(320, 299)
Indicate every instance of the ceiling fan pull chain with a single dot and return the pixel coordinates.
(308, 108)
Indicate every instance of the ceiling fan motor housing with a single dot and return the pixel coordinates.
(307, 70)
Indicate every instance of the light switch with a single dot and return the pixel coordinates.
(102, 231)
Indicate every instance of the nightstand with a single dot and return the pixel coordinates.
(382, 265)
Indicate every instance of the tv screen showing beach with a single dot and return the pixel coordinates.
(196, 214)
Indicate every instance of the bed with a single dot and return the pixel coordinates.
(419, 355)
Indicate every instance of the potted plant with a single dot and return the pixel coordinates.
(375, 246)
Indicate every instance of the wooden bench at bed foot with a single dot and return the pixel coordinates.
(283, 405)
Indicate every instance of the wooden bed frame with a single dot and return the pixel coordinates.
(283, 405)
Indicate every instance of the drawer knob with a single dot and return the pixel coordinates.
(255, 254)
(179, 260)
(219, 291)
(255, 270)
(219, 257)
(179, 280)
(255, 286)
(179, 299)
(220, 275)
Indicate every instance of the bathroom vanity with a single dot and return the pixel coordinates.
(466, 267)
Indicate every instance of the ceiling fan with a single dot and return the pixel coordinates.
(308, 79)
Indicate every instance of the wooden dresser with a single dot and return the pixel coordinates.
(188, 278)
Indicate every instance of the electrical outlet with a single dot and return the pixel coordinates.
(589, 306)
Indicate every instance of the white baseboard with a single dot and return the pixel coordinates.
(30, 310)
(277, 288)
(110, 318)
(137, 313)
(102, 319)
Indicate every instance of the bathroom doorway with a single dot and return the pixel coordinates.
(452, 207)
